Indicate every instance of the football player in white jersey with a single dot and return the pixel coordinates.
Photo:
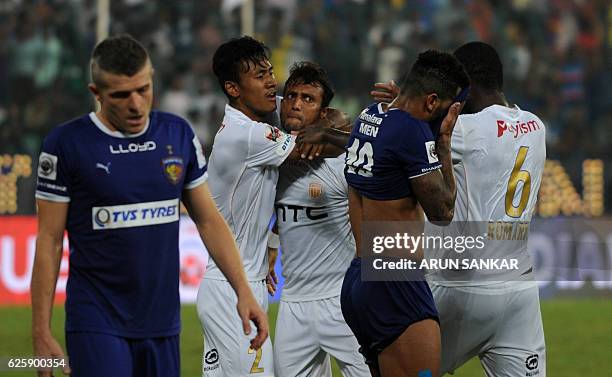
(317, 243)
(499, 153)
(243, 169)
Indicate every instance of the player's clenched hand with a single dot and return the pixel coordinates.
(310, 151)
(46, 346)
(385, 91)
(448, 124)
(249, 310)
(314, 134)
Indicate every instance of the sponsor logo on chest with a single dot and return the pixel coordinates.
(516, 129)
(134, 215)
(133, 147)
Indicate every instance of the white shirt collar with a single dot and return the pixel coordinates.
(94, 118)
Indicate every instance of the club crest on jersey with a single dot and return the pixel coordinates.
(432, 155)
(273, 133)
(47, 166)
(173, 168)
(315, 190)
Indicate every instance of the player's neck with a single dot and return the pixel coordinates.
(104, 120)
(481, 98)
(409, 105)
(246, 110)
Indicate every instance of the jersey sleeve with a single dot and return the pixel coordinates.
(458, 142)
(196, 173)
(268, 145)
(417, 150)
(53, 180)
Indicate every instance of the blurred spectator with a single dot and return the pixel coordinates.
(176, 99)
(556, 54)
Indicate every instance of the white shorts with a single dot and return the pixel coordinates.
(502, 326)
(227, 351)
(307, 333)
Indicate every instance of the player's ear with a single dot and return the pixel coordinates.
(431, 102)
(323, 113)
(232, 89)
(93, 88)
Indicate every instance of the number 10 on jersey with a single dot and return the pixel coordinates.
(360, 158)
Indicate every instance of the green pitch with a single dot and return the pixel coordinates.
(578, 338)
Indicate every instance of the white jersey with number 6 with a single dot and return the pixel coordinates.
(498, 156)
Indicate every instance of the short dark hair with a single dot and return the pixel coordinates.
(237, 54)
(435, 72)
(313, 74)
(120, 54)
(482, 64)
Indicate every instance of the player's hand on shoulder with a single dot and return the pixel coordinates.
(250, 310)
(46, 346)
(385, 91)
(448, 124)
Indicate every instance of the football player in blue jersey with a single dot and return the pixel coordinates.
(394, 164)
(113, 179)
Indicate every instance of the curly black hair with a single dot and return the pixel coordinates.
(313, 74)
(435, 72)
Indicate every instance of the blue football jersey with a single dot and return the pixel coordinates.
(385, 150)
(123, 220)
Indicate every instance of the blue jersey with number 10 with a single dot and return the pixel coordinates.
(385, 150)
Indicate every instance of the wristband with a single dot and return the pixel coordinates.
(273, 240)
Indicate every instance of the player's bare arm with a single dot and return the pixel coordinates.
(436, 191)
(273, 245)
(335, 134)
(49, 247)
(319, 140)
(221, 245)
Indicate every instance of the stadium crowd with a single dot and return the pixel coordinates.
(556, 55)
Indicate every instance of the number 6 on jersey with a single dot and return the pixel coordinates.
(517, 176)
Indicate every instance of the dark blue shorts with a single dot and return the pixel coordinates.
(379, 312)
(103, 355)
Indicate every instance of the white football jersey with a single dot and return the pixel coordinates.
(498, 156)
(315, 234)
(243, 173)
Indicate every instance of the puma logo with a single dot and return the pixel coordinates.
(106, 167)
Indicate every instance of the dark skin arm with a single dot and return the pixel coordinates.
(436, 191)
(326, 138)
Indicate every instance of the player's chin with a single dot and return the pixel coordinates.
(132, 126)
(293, 124)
